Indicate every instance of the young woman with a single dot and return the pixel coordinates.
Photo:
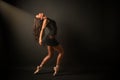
(44, 23)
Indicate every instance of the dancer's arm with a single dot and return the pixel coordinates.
(41, 32)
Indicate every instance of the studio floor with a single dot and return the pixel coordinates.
(26, 73)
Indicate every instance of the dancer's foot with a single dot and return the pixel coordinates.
(37, 70)
(56, 69)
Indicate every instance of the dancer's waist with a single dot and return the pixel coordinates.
(51, 36)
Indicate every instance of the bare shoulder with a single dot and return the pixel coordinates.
(46, 19)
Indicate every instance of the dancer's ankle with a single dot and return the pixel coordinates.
(40, 66)
(57, 66)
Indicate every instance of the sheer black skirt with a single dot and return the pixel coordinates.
(51, 41)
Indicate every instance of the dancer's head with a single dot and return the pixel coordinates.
(40, 16)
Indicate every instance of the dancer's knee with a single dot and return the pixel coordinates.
(61, 52)
(49, 56)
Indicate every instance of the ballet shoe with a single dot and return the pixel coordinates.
(56, 69)
(37, 69)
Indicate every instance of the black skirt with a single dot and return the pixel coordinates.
(51, 42)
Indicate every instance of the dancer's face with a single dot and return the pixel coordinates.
(40, 16)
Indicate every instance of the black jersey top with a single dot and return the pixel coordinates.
(50, 29)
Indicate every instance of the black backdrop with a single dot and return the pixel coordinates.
(87, 30)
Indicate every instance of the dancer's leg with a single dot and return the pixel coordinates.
(60, 51)
(49, 55)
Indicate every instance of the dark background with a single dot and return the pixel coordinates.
(87, 30)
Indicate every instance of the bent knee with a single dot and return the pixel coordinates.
(61, 51)
(49, 56)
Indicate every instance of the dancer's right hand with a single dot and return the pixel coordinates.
(40, 42)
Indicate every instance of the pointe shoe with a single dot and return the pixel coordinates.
(37, 70)
(56, 69)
